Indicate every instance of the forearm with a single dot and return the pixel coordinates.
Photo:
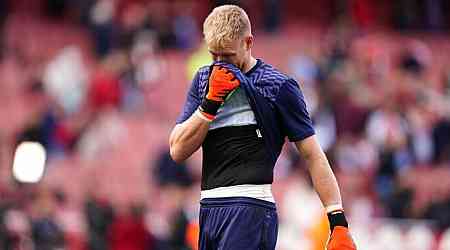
(324, 181)
(327, 187)
(187, 137)
(320, 171)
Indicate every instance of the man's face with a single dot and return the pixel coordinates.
(235, 52)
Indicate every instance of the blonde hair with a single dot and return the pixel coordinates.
(225, 24)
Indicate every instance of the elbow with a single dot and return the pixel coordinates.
(174, 150)
(176, 155)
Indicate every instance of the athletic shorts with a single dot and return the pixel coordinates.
(237, 223)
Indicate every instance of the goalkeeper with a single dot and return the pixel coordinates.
(240, 109)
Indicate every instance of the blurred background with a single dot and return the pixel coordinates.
(90, 89)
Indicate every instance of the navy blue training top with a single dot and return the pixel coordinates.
(275, 98)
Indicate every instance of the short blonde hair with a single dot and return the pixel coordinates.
(225, 24)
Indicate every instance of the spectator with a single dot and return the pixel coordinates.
(387, 130)
(362, 12)
(168, 172)
(147, 65)
(406, 14)
(99, 216)
(185, 26)
(70, 219)
(105, 90)
(305, 69)
(17, 231)
(400, 202)
(65, 79)
(437, 211)
(355, 153)
(102, 136)
(184, 224)
(421, 141)
(272, 15)
(434, 15)
(162, 21)
(46, 233)
(127, 232)
(441, 141)
(174, 180)
(101, 23)
(56, 8)
(3, 14)
(133, 19)
(42, 126)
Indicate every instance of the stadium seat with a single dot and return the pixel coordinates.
(444, 243)
(419, 237)
(362, 236)
(388, 237)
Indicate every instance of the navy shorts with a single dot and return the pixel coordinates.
(237, 223)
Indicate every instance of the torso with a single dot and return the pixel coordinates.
(234, 155)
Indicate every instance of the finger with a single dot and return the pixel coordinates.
(229, 73)
(221, 68)
(235, 82)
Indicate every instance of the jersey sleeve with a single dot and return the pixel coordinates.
(291, 106)
(193, 100)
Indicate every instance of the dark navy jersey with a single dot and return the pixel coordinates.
(280, 111)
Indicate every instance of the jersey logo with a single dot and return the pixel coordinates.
(258, 133)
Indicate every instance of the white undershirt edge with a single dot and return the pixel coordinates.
(261, 192)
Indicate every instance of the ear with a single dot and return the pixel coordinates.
(248, 42)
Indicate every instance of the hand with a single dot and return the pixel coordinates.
(221, 83)
(340, 239)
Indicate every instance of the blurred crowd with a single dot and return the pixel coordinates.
(79, 71)
(381, 115)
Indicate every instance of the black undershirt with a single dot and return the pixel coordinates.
(234, 156)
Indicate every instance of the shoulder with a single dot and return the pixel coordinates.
(201, 79)
(272, 74)
(202, 74)
(270, 80)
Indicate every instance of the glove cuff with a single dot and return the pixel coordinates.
(337, 218)
(204, 116)
(210, 107)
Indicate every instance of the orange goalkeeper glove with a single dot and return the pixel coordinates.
(340, 238)
(221, 83)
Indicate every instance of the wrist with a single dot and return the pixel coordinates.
(334, 208)
(337, 218)
(210, 107)
(204, 116)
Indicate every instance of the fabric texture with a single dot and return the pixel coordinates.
(238, 223)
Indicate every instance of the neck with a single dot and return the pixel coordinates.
(249, 64)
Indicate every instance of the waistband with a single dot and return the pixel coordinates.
(231, 201)
(260, 191)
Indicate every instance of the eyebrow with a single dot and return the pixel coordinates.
(222, 54)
